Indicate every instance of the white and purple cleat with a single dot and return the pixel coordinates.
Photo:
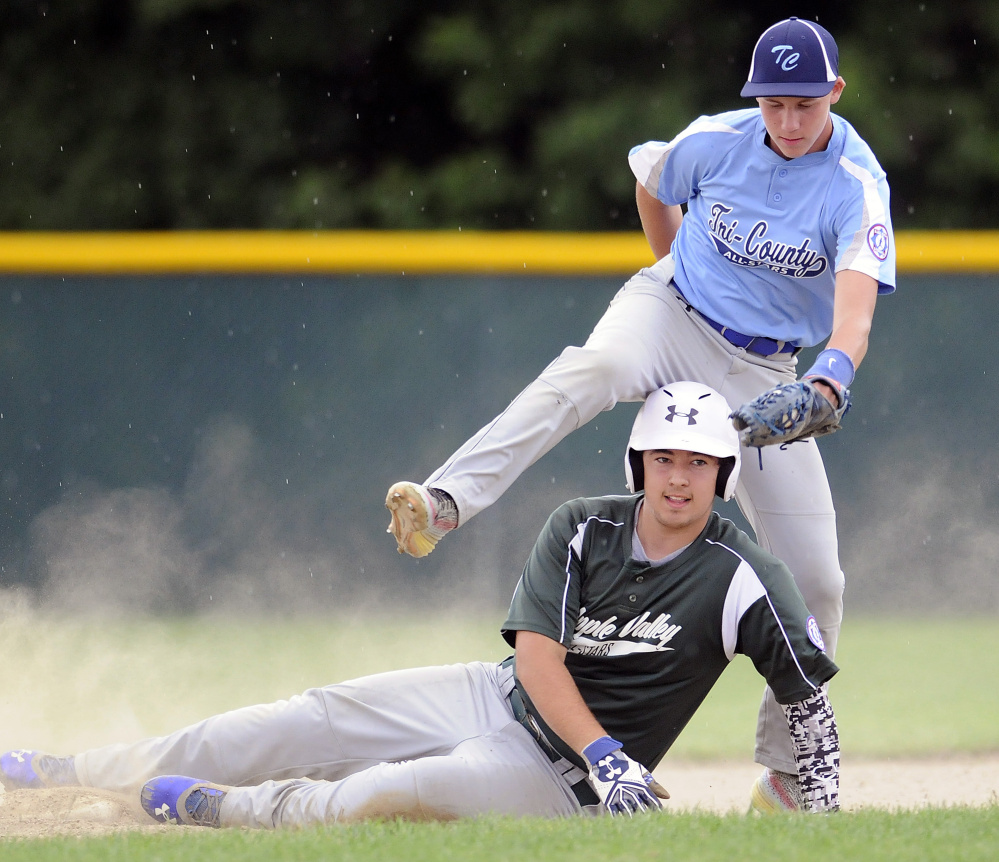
(23, 768)
(178, 799)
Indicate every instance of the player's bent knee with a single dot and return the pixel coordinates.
(385, 791)
(823, 597)
(593, 374)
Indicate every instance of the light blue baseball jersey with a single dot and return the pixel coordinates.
(764, 236)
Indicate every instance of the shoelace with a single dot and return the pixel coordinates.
(786, 788)
(446, 515)
(203, 806)
(56, 771)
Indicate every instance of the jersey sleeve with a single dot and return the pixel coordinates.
(671, 170)
(865, 238)
(546, 599)
(769, 622)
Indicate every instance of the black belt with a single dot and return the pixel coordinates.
(582, 790)
(753, 343)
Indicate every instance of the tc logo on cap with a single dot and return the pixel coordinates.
(788, 62)
(793, 58)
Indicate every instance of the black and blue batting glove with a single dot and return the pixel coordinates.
(623, 785)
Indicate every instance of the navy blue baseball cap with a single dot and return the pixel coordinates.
(793, 58)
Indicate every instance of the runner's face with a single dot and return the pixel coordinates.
(679, 489)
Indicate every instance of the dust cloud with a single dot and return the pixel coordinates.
(225, 542)
(923, 536)
(917, 535)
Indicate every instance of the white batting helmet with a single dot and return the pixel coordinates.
(688, 416)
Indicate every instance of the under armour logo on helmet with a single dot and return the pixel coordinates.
(673, 412)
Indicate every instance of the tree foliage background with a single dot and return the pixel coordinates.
(169, 114)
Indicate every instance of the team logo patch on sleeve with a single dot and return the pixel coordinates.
(814, 635)
(877, 239)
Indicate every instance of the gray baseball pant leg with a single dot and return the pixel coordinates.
(784, 494)
(789, 506)
(325, 733)
(503, 772)
(618, 362)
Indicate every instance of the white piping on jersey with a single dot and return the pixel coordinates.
(746, 588)
(743, 591)
(576, 545)
(516, 589)
(653, 169)
(874, 213)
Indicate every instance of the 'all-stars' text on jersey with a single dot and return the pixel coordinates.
(764, 236)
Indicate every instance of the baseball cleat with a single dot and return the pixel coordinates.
(420, 517)
(178, 799)
(775, 793)
(24, 769)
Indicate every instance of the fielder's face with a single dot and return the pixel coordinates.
(798, 126)
(679, 490)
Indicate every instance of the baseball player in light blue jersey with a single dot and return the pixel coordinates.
(787, 241)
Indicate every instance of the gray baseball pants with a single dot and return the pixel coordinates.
(430, 743)
(648, 338)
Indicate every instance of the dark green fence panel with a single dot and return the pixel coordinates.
(172, 445)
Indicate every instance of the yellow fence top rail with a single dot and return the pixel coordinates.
(406, 252)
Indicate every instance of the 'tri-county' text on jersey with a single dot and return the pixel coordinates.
(764, 236)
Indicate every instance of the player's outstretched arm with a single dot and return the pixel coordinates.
(853, 314)
(815, 741)
(623, 785)
(816, 404)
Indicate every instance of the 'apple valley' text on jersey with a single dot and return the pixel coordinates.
(764, 236)
(647, 642)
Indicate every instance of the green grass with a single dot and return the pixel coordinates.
(929, 834)
(906, 687)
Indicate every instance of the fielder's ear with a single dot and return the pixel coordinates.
(837, 90)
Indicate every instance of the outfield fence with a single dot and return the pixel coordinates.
(211, 419)
(409, 252)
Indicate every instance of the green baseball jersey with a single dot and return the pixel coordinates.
(647, 642)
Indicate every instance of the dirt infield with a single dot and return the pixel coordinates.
(886, 784)
(713, 787)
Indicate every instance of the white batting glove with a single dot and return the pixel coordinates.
(623, 785)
